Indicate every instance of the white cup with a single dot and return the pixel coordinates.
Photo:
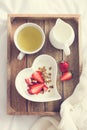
(62, 36)
(21, 27)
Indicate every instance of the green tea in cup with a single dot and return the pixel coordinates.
(29, 38)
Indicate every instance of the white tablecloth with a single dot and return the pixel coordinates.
(34, 7)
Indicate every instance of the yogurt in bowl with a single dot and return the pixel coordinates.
(41, 62)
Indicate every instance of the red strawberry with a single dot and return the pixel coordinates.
(45, 88)
(35, 89)
(66, 76)
(63, 65)
(33, 81)
(28, 81)
(37, 75)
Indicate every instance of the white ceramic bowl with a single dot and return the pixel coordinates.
(40, 61)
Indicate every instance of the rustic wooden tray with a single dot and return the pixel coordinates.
(17, 104)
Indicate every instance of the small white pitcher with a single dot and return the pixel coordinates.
(62, 36)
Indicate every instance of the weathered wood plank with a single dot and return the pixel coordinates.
(57, 54)
(17, 103)
(73, 60)
(35, 106)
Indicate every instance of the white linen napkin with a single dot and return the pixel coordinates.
(74, 109)
(46, 123)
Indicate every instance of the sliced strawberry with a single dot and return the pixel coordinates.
(28, 81)
(64, 66)
(37, 75)
(45, 88)
(35, 89)
(66, 76)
